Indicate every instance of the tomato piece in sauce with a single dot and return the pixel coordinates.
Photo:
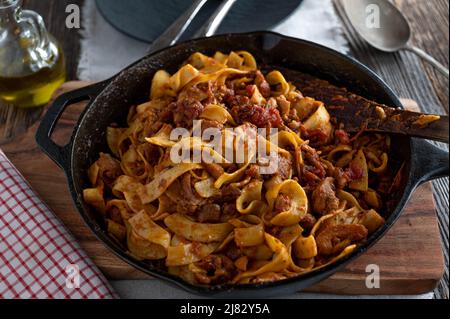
(342, 136)
(354, 171)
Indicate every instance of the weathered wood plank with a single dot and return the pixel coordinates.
(410, 77)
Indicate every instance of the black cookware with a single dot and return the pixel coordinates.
(110, 101)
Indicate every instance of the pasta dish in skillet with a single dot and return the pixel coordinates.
(222, 221)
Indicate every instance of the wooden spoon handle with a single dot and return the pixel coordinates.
(437, 131)
(357, 112)
(384, 119)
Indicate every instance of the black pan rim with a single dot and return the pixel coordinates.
(271, 287)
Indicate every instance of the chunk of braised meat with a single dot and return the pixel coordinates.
(186, 187)
(262, 84)
(335, 238)
(151, 124)
(311, 179)
(215, 270)
(149, 130)
(228, 193)
(215, 170)
(313, 169)
(229, 211)
(273, 230)
(316, 136)
(231, 168)
(223, 92)
(312, 157)
(243, 111)
(263, 117)
(206, 124)
(199, 92)
(272, 102)
(282, 204)
(249, 90)
(253, 171)
(354, 171)
(109, 169)
(236, 100)
(294, 125)
(284, 169)
(341, 178)
(189, 201)
(233, 251)
(293, 116)
(166, 114)
(284, 106)
(209, 213)
(186, 112)
(342, 137)
(308, 221)
(213, 92)
(324, 200)
(150, 152)
(186, 207)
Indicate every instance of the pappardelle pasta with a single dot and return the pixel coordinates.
(222, 222)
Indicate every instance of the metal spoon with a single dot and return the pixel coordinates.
(214, 22)
(391, 34)
(176, 29)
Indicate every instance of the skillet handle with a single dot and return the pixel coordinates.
(429, 161)
(61, 154)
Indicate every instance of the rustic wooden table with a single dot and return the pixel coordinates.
(409, 76)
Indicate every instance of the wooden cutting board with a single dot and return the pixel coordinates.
(409, 257)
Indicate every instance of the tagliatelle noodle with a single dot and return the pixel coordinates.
(223, 219)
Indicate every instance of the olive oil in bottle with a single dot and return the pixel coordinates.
(32, 64)
(34, 89)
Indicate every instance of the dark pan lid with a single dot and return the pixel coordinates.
(146, 20)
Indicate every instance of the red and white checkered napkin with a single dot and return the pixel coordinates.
(39, 258)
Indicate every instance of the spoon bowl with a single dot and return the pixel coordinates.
(383, 26)
(379, 22)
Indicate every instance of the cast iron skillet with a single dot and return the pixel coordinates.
(110, 101)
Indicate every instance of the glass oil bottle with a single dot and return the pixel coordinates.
(31, 62)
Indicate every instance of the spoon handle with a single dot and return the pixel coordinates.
(176, 29)
(214, 22)
(429, 58)
(397, 121)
